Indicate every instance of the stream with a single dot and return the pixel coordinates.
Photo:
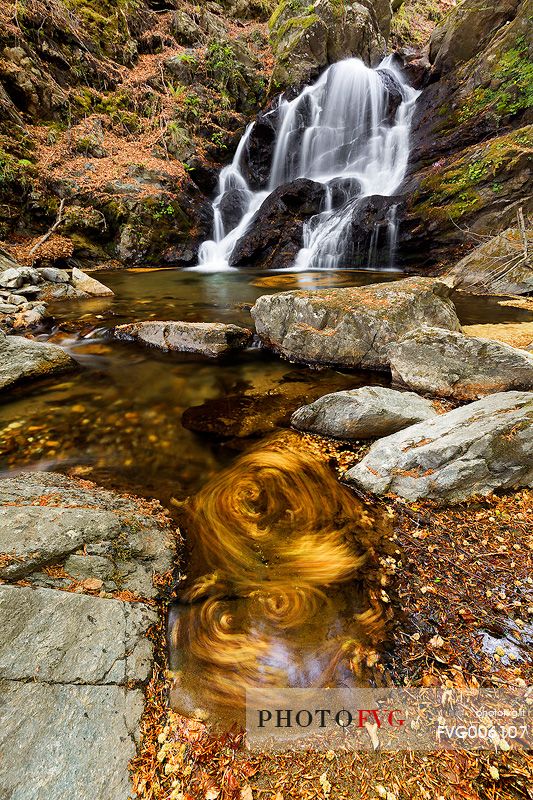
(118, 420)
(129, 420)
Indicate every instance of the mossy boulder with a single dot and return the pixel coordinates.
(480, 188)
(306, 37)
(471, 134)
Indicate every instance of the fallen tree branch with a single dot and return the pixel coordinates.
(54, 227)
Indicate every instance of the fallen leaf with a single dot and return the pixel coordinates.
(325, 784)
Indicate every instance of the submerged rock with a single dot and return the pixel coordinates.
(351, 327)
(257, 412)
(497, 266)
(275, 234)
(364, 413)
(206, 338)
(450, 364)
(472, 450)
(23, 360)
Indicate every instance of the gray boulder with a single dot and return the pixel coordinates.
(495, 267)
(24, 359)
(71, 674)
(206, 338)
(61, 637)
(54, 275)
(472, 450)
(449, 364)
(365, 413)
(351, 327)
(88, 285)
(95, 535)
(14, 277)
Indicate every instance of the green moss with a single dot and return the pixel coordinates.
(105, 23)
(511, 89)
(15, 172)
(300, 24)
(415, 20)
(453, 191)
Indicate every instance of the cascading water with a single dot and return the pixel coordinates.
(339, 133)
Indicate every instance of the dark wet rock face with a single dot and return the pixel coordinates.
(369, 238)
(232, 208)
(275, 234)
(260, 150)
(472, 450)
(395, 96)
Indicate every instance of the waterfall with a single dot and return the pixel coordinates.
(337, 132)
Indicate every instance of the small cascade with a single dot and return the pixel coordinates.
(349, 131)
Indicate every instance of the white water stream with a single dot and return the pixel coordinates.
(336, 133)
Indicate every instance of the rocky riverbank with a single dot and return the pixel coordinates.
(82, 575)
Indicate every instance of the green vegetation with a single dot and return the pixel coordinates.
(415, 20)
(218, 139)
(164, 210)
(15, 172)
(455, 189)
(513, 81)
(222, 64)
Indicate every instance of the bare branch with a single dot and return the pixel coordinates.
(54, 227)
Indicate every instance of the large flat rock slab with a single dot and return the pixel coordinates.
(472, 450)
(351, 327)
(448, 364)
(365, 413)
(34, 536)
(92, 534)
(61, 742)
(24, 360)
(62, 637)
(72, 670)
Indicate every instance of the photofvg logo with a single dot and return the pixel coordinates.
(389, 719)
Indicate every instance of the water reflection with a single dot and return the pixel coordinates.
(279, 589)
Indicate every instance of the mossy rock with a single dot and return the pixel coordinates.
(306, 37)
(474, 179)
